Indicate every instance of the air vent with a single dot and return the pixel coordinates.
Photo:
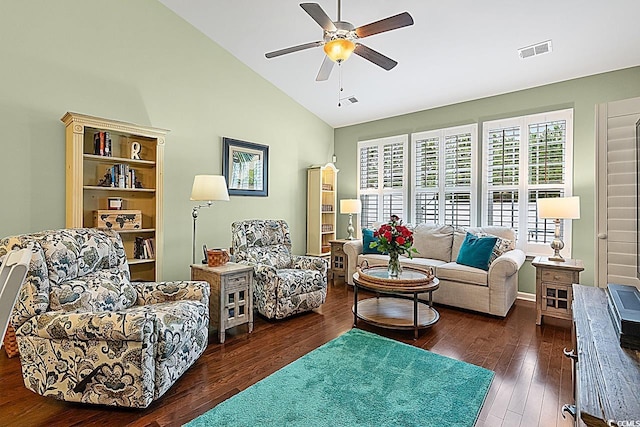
(535, 50)
(347, 100)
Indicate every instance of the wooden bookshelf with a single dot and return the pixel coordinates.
(322, 187)
(85, 169)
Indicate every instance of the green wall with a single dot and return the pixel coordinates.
(580, 94)
(137, 61)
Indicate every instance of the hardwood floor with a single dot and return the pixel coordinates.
(532, 382)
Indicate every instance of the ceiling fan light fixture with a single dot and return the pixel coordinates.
(339, 49)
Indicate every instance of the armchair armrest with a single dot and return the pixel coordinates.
(302, 262)
(157, 292)
(125, 325)
(352, 249)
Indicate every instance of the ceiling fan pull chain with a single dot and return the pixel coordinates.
(340, 89)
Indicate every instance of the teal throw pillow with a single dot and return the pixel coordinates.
(476, 251)
(367, 238)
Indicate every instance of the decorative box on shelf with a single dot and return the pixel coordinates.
(118, 219)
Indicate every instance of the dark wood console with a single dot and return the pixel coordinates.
(607, 376)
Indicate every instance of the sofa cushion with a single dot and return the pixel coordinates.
(461, 232)
(455, 272)
(367, 239)
(476, 251)
(501, 246)
(433, 241)
(422, 263)
(104, 290)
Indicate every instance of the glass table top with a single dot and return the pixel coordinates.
(383, 273)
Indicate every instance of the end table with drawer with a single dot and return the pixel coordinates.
(231, 300)
(338, 265)
(553, 286)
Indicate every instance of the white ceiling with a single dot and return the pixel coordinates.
(457, 50)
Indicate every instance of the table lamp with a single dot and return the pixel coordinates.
(558, 208)
(350, 206)
(207, 188)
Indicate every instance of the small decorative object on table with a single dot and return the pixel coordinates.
(394, 239)
(217, 257)
(114, 203)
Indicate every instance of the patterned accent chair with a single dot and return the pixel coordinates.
(285, 284)
(86, 333)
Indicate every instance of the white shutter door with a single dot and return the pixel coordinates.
(616, 215)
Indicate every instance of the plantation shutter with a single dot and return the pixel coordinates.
(526, 159)
(503, 172)
(426, 173)
(457, 179)
(546, 170)
(617, 223)
(382, 179)
(442, 176)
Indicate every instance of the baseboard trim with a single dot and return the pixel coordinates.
(526, 296)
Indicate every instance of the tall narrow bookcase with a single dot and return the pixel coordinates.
(322, 208)
(87, 190)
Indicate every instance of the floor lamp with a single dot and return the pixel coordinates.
(207, 188)
(350, 206)
(557, 208)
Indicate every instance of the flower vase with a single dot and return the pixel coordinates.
(395, 268)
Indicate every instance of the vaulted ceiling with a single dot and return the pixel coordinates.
(456, 50)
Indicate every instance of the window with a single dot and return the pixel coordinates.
(443, 171)
(382, 179)
(525, 159)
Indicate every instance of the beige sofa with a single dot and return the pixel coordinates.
(492, 292)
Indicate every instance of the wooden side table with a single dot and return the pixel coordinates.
(338, 262)
(553, 286)
(231, 300)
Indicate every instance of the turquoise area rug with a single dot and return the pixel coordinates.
(360, 379)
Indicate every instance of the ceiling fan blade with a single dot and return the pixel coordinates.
(293, 49)
(374, 56)
(325, 69)
(318, 14)
(391, 23)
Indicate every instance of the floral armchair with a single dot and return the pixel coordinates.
(86, 333)
(285, 284)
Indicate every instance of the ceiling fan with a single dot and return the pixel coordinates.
(341, 38)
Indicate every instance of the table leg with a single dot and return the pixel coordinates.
(355, 304)
(415, 315)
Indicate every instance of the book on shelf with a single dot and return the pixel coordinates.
(102, 144)
(120, 175)
(144, 248)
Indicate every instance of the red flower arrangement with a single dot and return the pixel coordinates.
(394, 239)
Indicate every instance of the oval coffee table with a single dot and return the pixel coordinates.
(401, 309)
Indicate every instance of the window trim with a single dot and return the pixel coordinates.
(523, 187)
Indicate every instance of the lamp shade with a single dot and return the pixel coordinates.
(559, 208)
(339, 49)
(209, 187)
(350, 206)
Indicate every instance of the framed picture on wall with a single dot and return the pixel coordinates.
(245, 166)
